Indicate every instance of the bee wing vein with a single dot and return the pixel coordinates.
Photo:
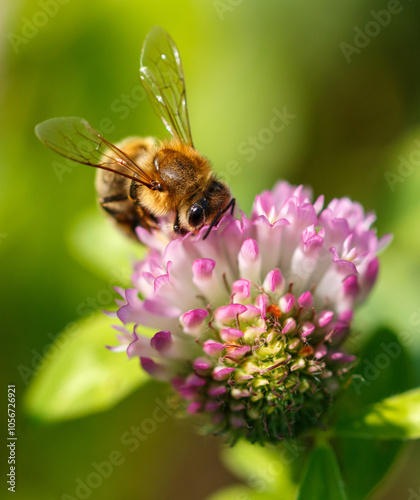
(162, 76)
(76, 140)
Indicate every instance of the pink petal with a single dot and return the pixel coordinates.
(241, 289)
(274, 282)
(203, 268)
(325, 317)
(140, 347)
(231, 334)
(306, 301)
(161, 341)
(307, 328)
(351, 286)
(217, 390)
(192, 321)
(289, 326)
(152, 368)
(249, 260)
(287, 303)
(194, 407)
(213, 348)
(226, 314)
(201, 365)
(238, 353)
(222, 372)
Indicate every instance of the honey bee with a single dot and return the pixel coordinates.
(143, 180)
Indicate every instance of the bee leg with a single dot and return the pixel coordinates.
(230, 205)
(127, 215)
(145, 219)
(114, 197)
(127, 221)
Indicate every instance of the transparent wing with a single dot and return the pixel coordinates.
(75, 139)
(162, 76)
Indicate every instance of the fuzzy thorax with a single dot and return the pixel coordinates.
(183, 174)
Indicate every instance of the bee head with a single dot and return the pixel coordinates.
(211, 205)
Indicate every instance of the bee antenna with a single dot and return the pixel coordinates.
(230, 205)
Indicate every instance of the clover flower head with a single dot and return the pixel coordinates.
(250, 322)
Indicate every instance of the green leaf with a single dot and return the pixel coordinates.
(364, 464)
(264, 469)
(397, 417)
(104, 250)
(322, 480)
(79, 376)
(245, 493)
(386, 369)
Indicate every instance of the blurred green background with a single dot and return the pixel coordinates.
(353, 129)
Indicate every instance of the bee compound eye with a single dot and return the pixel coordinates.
(196, 217)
